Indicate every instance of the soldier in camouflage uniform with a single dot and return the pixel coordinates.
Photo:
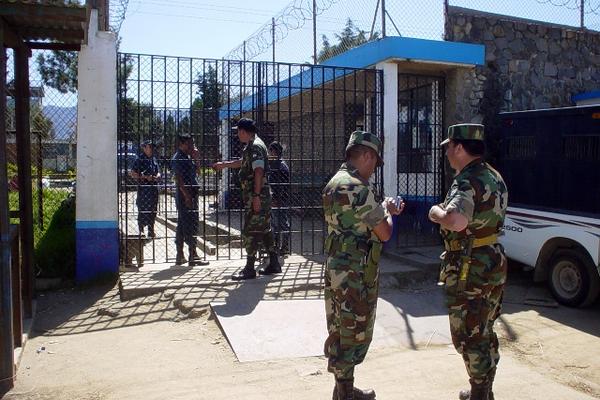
(474, 264)
(256, 195)
(357, 225)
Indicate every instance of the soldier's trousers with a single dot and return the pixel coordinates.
(473, 311)
(256, 232)
(350, 306)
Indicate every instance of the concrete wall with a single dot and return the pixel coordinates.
(96, 215)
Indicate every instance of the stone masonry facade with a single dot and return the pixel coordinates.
(528, 65)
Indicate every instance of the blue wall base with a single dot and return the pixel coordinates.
(97, 255)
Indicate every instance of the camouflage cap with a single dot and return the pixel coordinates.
(366, 139)
(464, 132)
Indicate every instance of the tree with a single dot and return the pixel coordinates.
(351, 36)
(59, 70)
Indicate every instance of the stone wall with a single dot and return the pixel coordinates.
(528, 64)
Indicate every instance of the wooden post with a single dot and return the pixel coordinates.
(22, 54)
(6, 327)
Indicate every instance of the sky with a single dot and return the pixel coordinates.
(193, 28)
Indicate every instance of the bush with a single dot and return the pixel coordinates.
(55, 249)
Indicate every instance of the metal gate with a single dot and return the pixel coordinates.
(420, 158)
(310, 110)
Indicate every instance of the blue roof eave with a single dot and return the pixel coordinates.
(369, 54)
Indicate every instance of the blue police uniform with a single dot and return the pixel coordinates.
(183, 166)
(147, 194)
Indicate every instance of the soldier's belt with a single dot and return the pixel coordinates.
(457, 245)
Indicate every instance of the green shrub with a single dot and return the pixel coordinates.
(55, 247)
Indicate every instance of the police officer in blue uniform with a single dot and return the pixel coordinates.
(145, 171)
(185, 165)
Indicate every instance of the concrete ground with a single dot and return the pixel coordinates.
(163, 341)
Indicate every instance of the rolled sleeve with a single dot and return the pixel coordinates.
(462, 200)
(369, 210)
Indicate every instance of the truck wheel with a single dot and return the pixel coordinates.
(574, 281)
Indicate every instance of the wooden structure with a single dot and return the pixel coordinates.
(25, 25)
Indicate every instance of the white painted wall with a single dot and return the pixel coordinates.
(97, 126)
(390, 125)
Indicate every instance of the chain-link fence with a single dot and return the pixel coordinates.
(342, 24)
(53, 118)
(309, 110)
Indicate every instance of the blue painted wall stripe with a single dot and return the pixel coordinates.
(96, 224)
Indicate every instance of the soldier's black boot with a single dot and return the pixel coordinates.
(151, 231)
(344, 389)
(273, 268)
(359, 394)
(194, 259)
(179, 258)
(248, 272)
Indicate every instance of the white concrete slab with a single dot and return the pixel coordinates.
(297, 328)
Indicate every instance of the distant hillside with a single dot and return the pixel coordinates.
(64, 120)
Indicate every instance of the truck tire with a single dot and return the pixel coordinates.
(573, 279)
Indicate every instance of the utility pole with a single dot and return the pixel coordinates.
(273, 36)
(582, 15)
(383, 18)
(314, 31)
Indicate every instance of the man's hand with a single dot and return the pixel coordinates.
(390, 205)
(218, 166)
(256, 204)
(188, 202)
(436, 213)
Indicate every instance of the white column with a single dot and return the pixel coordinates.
(390, 126)
(96, 213)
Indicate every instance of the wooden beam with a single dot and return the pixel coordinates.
(53, 46)
(47, 13)
(56, 34)
(10, 37)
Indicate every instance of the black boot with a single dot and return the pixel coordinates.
(273, 268)
(344, 389)
(248, 272)
(151, 231)
(180, 259)
(195, 260)
(480, 391)
(359, 394)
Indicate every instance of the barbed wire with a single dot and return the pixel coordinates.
(117, 12)
(293, 35)
(292, 17)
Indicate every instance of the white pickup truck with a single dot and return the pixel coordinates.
(550, 161)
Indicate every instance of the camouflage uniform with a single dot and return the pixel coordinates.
(257, 226)
(351, 271)
(475, 281)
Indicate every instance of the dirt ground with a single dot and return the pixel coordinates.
(86, 344)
